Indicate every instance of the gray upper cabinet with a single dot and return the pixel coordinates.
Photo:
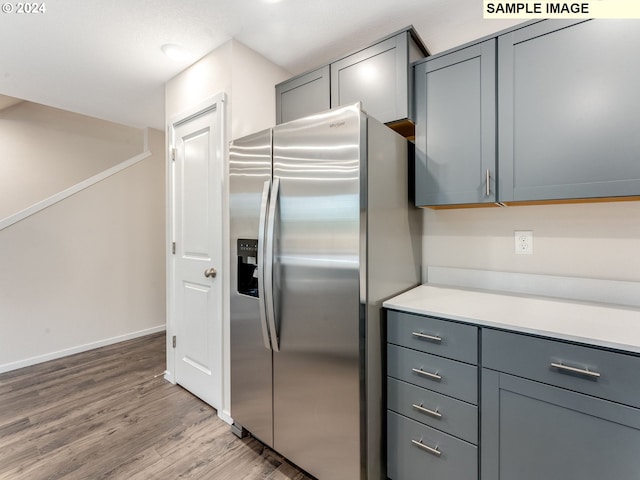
(568, 110)
(554, 103)
(455, 141)
(303, 95)
(378, 76)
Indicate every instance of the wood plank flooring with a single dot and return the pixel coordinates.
(109, 414)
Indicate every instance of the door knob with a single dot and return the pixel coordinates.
(210, 272)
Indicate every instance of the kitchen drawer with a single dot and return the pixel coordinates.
(451, 340)
(455, 379)
(532, 358)
(453, 459)
(452, 416)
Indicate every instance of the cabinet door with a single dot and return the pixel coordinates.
(303, 95)
(592, 371)
(418, 452)
(533, 431)
(568, 110)
(376, 76)
(432, 335)
(435, 410)
(456, 127)
(448, 377)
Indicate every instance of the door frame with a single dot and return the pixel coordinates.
(218, 102)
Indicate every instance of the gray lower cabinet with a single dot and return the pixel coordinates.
(433, 409)
(568, 110)
(529, 408)
(534, 431)
(432, 398)
(432, 335)
(592, 371)
(378, 76)
(547, 410)
(439, 374)
(455, 141)
(303, 95)
(418, 452)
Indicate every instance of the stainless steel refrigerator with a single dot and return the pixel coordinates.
(322, 231)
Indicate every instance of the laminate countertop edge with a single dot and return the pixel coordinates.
(596, 324)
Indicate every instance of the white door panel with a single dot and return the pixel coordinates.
(197, 207)
(196, 302)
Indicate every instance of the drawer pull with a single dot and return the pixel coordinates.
(427, 448)
(579, 371)
(424, 336)
(421, 409)
(432, 376)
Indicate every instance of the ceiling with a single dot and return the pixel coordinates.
(103, 58)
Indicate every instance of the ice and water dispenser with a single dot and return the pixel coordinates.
(248, 266)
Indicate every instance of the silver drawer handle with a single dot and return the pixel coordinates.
(421, 409)
(424, 336)
(433, 376)
(431, 450)
(579, 371)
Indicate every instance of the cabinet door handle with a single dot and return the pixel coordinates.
(432, 376)
(424, 336)
(579, 371)
(421, 409)
(427, 448)
(488, 179)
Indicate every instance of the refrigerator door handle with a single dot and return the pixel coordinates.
(268, 272)
(262, 288)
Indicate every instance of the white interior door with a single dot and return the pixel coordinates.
(198, 260)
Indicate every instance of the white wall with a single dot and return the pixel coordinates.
(245, 76)
(204, 79)
(88, 270)
(249, 82)
(253, 102)
(591, 240)
(46, 150)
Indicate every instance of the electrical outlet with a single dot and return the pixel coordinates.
(524, 242)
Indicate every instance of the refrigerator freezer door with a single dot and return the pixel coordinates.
(317, 273)
(251, 359)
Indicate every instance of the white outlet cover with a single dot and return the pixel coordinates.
(523, 242)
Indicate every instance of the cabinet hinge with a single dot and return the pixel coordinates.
(173, 248)
(173, 154)
(174, 341)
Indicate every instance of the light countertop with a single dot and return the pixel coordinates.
(603, 325)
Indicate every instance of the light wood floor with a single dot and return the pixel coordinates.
(109, 414)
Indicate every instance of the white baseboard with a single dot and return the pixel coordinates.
(225, 416)
(7, 367)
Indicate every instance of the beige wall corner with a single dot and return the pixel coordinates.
(253, 106)
(202, 80)
(244, 75)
